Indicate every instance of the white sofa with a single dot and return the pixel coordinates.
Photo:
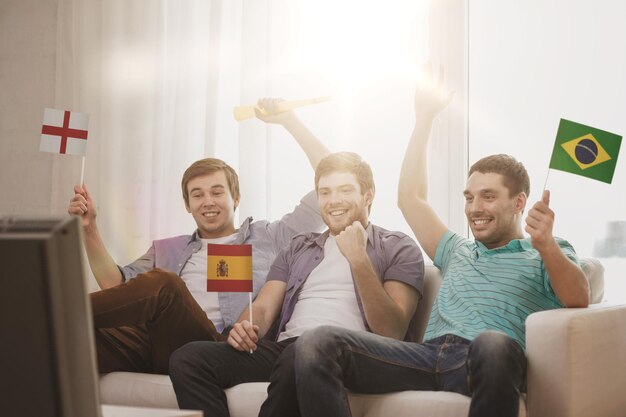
(577, 368)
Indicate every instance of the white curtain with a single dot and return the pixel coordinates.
(157, 78)
(160, 78)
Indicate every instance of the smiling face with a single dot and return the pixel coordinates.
(341, 202)
(492, 213)
(211, 205)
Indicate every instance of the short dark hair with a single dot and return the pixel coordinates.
(347, 162)
(515, 175)
(209, 166)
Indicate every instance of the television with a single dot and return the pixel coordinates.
(47, 354)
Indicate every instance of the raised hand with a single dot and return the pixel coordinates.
(539, 223)
(430, 94)
(244, 336)
(82, 205)
(268, 111)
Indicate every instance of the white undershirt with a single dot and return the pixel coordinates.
(195, 275)
(327, 296)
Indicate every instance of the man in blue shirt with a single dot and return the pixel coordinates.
(475, 337)
(149, 308)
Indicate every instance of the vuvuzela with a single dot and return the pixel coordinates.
(247, 112)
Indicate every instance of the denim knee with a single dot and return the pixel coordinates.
(493, 345)
(322, 342)
(496, 357)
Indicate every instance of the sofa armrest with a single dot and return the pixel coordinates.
(576, 362)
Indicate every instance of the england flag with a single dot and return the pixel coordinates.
(64, 132)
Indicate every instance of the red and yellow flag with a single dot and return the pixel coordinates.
(229, 268)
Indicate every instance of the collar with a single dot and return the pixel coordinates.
(514, 245)
(242, 233)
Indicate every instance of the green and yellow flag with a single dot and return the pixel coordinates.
(586, 151)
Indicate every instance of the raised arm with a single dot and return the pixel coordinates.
(102, 265)
(567, 278)
(265, 309)
(312, 147)
(413, 183)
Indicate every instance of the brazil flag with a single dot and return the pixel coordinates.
(586, 151)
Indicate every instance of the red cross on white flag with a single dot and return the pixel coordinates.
(64, 131)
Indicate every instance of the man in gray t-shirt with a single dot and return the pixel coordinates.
(156, 304)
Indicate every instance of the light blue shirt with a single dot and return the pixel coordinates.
(267, 240)
(490, 289)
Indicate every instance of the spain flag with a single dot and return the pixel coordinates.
(229, 268)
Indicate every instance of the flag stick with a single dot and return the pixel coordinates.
(250, 309)
(546, 181)
(247, 112)
(82, 171)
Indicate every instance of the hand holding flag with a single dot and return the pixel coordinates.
(82, 205)
(244, 336)
(539, 223)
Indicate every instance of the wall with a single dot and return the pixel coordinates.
(532, 63)
(28, 39)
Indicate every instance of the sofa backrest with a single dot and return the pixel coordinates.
(593, 269)
(432, 282)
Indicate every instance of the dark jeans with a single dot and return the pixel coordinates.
(140, 323)
(491, 369)
(201, 371)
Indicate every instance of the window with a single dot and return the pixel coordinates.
(532, 63)
(368, 58)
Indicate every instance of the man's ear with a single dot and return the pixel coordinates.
(187, 207)
(235, 204)
(369, 196)
(520, 202)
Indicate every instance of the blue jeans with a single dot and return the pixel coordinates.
(328, 360)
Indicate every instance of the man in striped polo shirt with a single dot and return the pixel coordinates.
(474, 343)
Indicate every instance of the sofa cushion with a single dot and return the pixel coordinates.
(415, 404)
(244, 400)
(136, 389)
(147, 390)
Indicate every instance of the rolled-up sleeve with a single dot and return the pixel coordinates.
(142, 264)
(407, 262)
(448, 243)
(279, 271)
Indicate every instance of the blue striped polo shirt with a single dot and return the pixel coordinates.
(490, 289)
